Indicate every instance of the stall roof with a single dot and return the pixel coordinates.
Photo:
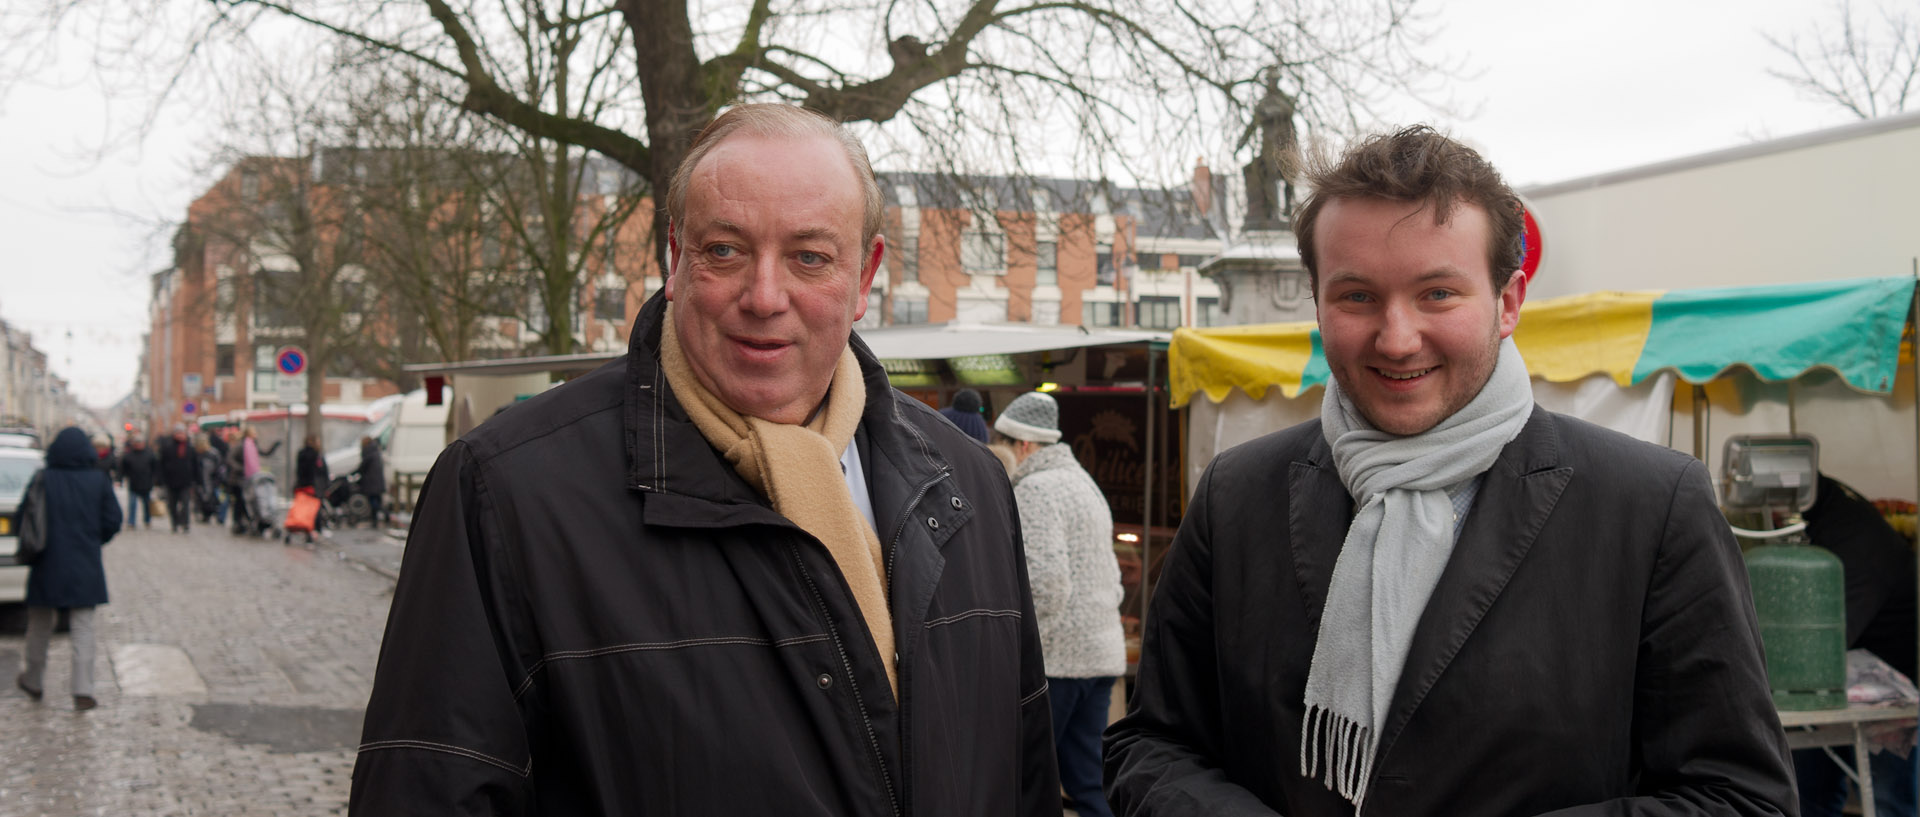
(1852, 327)
(944, 341)
(930, 341)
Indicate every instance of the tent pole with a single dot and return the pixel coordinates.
(1912, 330)
(1146, 509)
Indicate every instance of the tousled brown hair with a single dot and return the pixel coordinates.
(1418, 164)
(776, 119)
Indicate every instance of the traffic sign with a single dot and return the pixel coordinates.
(290, 360)
(187, 408)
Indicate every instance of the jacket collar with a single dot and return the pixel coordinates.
(667, 455)
(1513, 504)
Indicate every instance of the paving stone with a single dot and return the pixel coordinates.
(284, 640)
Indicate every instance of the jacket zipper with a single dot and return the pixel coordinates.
(893, 555)
(846, 664)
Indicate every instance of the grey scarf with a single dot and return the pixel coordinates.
(1393, 555)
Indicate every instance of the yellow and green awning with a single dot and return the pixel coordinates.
(1779, 332)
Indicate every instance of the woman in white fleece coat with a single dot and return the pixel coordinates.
(1068, 531)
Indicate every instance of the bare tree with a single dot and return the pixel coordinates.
(1111, 88)
(296, 222)
(1867, 66)
(428, 168)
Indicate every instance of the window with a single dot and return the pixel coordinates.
(910, 257)
(1207, 312)
(1193, 260)
(1047, 253)
(1159, 312)
(1099, 313)
(983, 253)
(223, 360)
(1103, 268)
(909, 310)
(610, 304)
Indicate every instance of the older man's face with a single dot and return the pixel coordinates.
(770, 272)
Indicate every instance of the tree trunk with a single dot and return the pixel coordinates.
(670, 84)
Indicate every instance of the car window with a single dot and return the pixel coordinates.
(14, 473)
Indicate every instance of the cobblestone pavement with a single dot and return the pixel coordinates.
(285, 639)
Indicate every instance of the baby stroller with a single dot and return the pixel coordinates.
(254, 511)
(345, 505)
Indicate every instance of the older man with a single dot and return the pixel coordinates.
(1438, 598)
(732, 573)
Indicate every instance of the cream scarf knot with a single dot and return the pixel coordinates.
(797, 468)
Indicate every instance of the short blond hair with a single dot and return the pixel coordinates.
(789, 121)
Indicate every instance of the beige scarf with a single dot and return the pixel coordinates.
(797, 468)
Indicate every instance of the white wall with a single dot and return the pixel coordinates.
(1836, 204)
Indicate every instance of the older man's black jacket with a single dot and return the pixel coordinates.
(597, 615)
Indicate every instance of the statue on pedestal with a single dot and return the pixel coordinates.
(1270, 175)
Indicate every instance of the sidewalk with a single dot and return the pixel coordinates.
(375, 550)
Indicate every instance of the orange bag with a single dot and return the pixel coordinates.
(305, 507)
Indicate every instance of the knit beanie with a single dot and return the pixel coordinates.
(966, 400)
(1032, 417)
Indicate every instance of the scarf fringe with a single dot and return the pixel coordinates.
(1339, 751)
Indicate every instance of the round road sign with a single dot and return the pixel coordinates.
(290, 360)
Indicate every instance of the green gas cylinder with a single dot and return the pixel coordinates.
(1799, 594)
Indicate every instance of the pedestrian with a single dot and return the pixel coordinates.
(310, 476)
(1439, 598)
(103, 455)
(732, 572)
(967, 412)
(210, 490)
(180, 468)
(1076, 590)
(82, 515)
(372, 478)
(138, 467)
(1878, 563)
(243, 472)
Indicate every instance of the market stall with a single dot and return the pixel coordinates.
(1683, 368)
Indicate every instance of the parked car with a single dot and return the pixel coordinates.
(18, 437)
(16, 468)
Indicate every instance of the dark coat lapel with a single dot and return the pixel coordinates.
(1318, 513)
(1513, 505)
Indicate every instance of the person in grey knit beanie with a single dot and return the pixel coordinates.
(1068, 531)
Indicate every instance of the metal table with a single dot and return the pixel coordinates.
(1845, 727)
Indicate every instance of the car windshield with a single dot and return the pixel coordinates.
(14, 473)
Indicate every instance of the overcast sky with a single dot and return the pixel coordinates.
(1560, 90)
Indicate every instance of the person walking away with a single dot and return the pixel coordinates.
(967, 412)
(310, 476)
(137, 469)
(82, 515)
(1076, 590)
(372, 478)
(180, 469)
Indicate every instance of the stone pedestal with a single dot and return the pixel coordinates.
(1261, 279)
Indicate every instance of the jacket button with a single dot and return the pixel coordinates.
(824, 680)
(933, 523)
(957, 504)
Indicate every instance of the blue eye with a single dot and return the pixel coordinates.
(721, 251)
(812, 259)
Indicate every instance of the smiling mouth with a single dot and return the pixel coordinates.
(1405, 375)
(761, 345)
